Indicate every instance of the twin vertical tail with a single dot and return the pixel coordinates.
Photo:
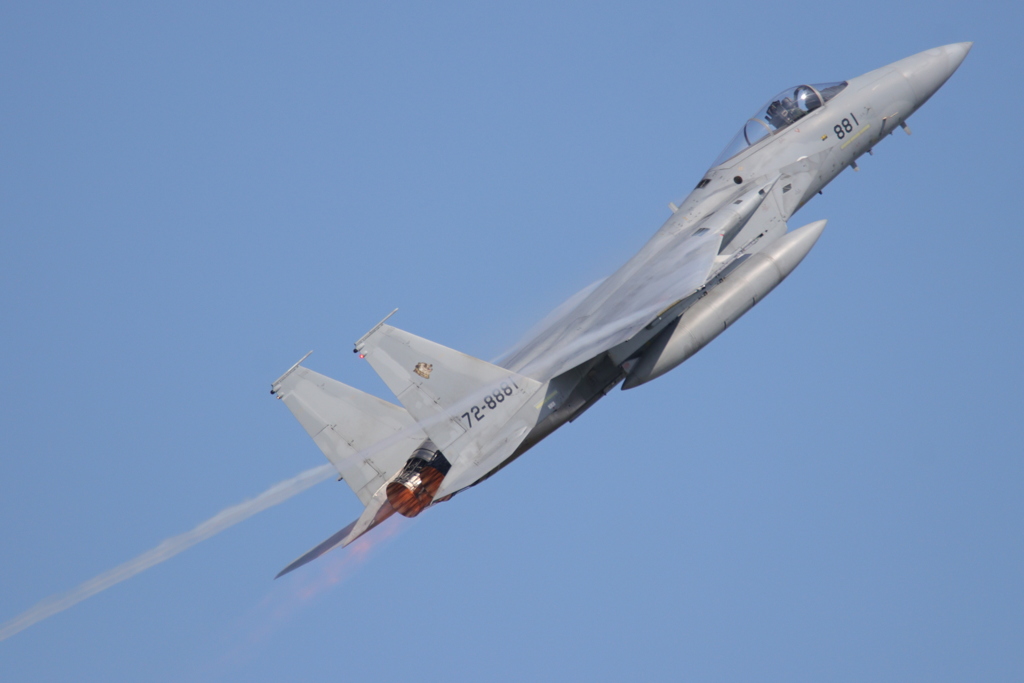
(460, 419)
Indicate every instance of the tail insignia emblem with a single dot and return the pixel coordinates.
(423, 370)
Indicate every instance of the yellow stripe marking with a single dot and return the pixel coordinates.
(545, 400)
(859, 133)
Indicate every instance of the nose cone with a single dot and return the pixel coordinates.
(927, 71)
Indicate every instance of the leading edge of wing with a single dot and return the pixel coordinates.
(667, 269)
(554, 319)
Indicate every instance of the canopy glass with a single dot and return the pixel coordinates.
(786, 108)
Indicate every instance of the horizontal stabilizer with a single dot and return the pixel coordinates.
(477, 413)
(367, 439)
(328, 545)
(376, 512)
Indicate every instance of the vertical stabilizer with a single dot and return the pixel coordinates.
(367, 439)
(475, 412)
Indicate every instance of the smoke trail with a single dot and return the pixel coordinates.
(169, 548)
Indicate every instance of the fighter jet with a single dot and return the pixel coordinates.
(724, 248)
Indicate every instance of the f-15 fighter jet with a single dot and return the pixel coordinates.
(461, 419)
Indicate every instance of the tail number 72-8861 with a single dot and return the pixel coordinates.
(490, 402)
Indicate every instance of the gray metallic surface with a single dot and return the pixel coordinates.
(796, 162)
(366, 439)
(723, 249)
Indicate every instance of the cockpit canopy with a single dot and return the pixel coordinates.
(787, 107)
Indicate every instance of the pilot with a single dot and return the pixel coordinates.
(782, 113)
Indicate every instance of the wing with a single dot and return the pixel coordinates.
(668, 268)
(555, 318)
(672, 265)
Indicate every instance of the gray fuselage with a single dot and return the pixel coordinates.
(792, 163)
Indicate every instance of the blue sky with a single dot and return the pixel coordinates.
(193, 196)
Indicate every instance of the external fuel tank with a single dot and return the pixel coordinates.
(736, 294)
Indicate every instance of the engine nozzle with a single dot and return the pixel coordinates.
(413, 489)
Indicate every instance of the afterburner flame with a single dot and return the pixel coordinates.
(411, 493)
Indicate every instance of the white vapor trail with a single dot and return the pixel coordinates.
(167, 549)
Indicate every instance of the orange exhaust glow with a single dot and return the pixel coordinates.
(410, 494)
